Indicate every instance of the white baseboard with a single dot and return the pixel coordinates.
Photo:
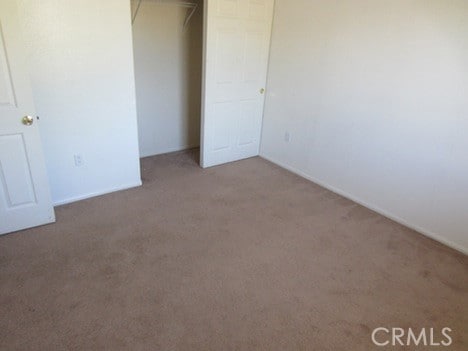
(374, 208)
(97, 193)
(171, 150)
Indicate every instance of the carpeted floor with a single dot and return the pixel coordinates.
(244, 256)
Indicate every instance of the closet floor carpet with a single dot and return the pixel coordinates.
(244, 256)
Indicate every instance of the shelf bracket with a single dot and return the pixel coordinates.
(191, 8)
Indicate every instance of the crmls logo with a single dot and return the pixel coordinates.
(408, 337)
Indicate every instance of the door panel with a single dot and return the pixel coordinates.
(258, 9)
(14, 172)
(253, 56)
(7, 98)
(228, 8)
(225, 113)
(226, 54)
(24, 191)
(237, 41)
(248, 127)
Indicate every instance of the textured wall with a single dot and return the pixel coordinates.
(81, 64)
(374, 96)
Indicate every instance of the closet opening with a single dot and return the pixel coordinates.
(168, 51)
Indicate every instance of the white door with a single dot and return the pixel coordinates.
(24, 191)
(237, 43)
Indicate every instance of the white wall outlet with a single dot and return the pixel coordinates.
(287, 137)
(78, 160)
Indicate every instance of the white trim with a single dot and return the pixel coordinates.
(171, 150)
(97, 193)
(268, 76)
(203, 86)
(374, 208)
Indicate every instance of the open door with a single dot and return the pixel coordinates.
(24, 190)
(237, 44)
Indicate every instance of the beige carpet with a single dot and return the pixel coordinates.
(244, 256)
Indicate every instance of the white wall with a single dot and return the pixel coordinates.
(80, 56)
(374, 95)
(168, 77)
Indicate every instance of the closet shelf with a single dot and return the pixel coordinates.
(191, 8)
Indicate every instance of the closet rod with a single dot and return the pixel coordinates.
(136, 11)
(190, 5)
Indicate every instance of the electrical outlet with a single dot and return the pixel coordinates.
(78, 160)
(287, 137)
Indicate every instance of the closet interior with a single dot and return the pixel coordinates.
(168, 49)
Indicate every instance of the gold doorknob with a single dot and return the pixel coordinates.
(262, 91)
(27, 120)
